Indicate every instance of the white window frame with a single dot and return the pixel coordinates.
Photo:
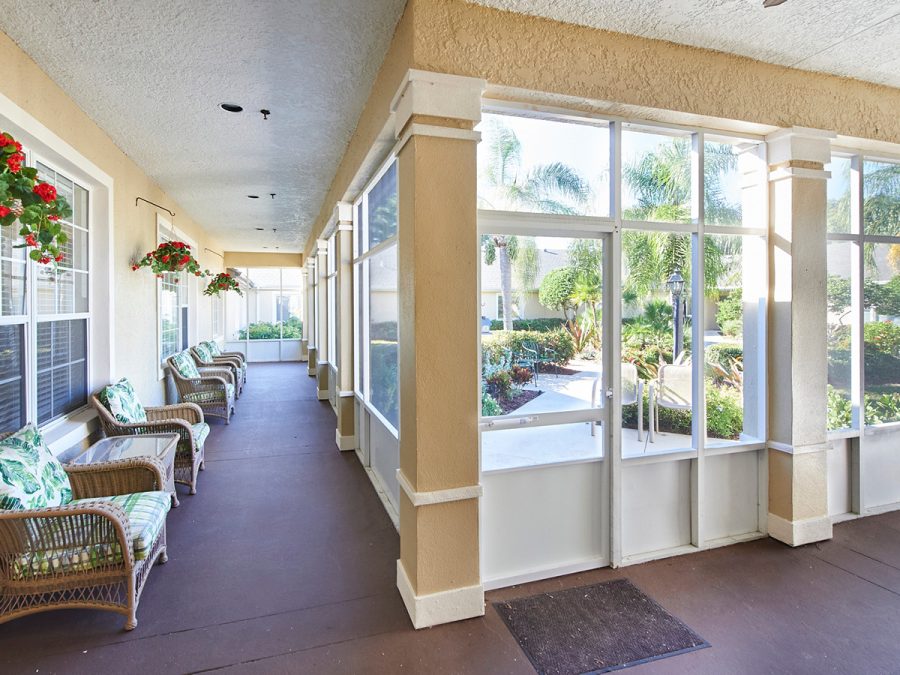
(166, 231)
(362, 257)
(858, 239)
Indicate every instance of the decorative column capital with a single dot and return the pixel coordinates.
(799, 152)
(437, 104)
(343, 213)
(321, 246)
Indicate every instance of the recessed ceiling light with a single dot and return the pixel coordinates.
(265, 247)
(252, 196)
(259, 229)
(231, 107)
(773, 3)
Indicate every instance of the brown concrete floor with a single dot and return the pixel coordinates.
(284, 562)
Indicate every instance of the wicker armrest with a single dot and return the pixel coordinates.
(209, 373)
(35, 537)
(179, 412)
(117, 477)
(233, 355)
(228, 361)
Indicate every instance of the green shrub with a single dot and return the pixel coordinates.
(263, 330)
(540, 325)
(882, 408)
(489, 407)
(840, 410)
(557, 289)
(724, 353)
(724, 414)
(730, 309)
(559, 341)
(499, 384)
(521, 375)
(733, 328)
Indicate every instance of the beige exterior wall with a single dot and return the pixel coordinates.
(247, 259)
(134, 228)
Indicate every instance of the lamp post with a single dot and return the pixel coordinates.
(675, 284)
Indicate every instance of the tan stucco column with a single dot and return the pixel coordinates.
(438, 572)
(304, 293)
(323, 369)
(345, 434)
(797, 360)
(309, 321)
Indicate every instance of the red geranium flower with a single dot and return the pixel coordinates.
(59, 258)
(53, 218)
(14, 163)
(30, 240)
(4, 211)
(184, 259)
(45, 191)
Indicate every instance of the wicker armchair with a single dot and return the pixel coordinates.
(83, 554)
(217, 351)
(184, 419)
(205, 359)
(211, 388)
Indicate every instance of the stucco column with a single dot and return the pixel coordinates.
(304, 293)
(309, 323)
(345, 434)
(797, 356)
(323, 369)
(438, 572)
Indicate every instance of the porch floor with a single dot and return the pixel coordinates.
(285, 562)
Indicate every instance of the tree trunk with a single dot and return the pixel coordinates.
(505, 284)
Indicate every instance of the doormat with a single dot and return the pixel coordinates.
(595, 629)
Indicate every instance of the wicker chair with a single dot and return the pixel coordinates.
(204, 359)
(210, 388)
(184, 419)
(217, 351)
(81, 555)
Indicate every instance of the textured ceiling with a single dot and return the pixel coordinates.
(153, 73)
(853, 38)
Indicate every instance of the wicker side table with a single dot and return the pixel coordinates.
(153, 452)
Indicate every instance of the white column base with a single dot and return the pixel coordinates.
(344, 443)
(443, 607)
(322, 395)
(799, 532)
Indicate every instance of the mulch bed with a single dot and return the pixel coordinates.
(512, 403)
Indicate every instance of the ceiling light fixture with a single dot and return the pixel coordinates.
(259, 229)
(265, 113)
(231, 107)
(773, 3)
(252, 196)
(272, 195)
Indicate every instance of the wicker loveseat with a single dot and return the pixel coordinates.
(121, 414)
(210, 388)
(205, 359)
(80, 537)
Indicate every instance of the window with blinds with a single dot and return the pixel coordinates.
(44, 318)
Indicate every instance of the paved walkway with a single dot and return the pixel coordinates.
(284, 562)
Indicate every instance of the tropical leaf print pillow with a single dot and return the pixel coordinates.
(30, 476)
(122, 401)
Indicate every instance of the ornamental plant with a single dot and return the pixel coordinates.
(171, 256)
(35, 205)
(222, 282)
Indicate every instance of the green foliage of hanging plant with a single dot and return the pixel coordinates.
(222, 283)
(171, 257)
(33, 204)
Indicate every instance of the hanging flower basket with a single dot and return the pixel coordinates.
(171, 256)
(221, 283)
(33, 204)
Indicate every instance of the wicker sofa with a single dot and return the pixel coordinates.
(120, 417)
(87, 539)
(210, 388)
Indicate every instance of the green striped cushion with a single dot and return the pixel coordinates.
(200, 431)
(210, 395)
(185, 365)
(213, 347)
(146, 513)
(122, 401)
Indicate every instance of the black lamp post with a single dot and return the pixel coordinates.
(675, 284)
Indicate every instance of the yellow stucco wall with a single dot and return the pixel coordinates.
(248, 259)
(134, 227)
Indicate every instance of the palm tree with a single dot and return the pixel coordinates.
(546, 188)
(661, 182)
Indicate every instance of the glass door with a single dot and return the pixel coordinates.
(545, 413)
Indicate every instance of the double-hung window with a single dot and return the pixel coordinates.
(44, 318)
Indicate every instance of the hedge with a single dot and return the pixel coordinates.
(559, 341)
(724, 414)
